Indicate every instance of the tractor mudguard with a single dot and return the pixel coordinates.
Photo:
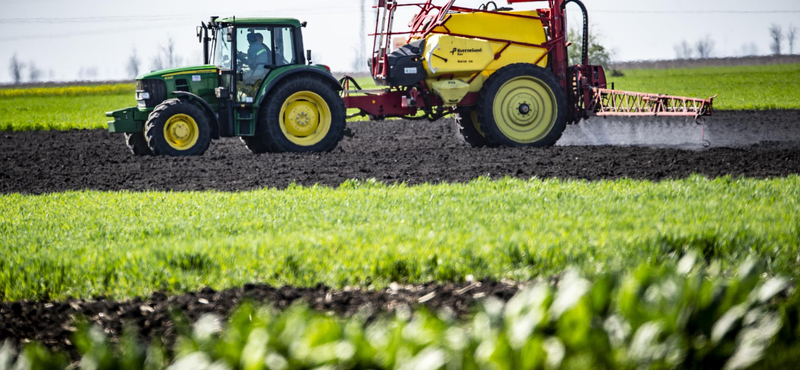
(212, 117)
(294, 72)
(127, 120)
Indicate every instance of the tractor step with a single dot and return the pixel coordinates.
(245, 123)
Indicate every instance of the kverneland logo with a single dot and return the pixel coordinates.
(463, 51)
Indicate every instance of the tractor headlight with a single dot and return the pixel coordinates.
(141, 96)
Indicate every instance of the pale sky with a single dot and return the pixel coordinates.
(64, 36)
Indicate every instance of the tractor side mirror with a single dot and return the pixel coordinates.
(200, 33)
(229, 34)
(308, 56)
(304, 24)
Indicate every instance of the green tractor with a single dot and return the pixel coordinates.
(256, 84)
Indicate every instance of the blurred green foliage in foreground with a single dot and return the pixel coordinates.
(680, 315)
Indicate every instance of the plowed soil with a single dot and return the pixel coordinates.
(755, 144)
(53, 323)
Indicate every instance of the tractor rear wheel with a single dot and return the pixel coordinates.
(137, 144)
(522, 105)
(468, 128)
(177, 128)
(303, 114)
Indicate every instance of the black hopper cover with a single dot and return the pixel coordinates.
(405, 64)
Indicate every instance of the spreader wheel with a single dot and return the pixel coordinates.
(304, 114)
(137, 144)
(469, 130)
(522, 105)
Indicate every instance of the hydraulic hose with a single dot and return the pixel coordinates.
(585, 47)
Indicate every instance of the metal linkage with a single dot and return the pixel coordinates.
(608, 102)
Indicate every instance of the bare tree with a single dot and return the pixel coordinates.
(157, 63)
(133, 64)
(683, 50)
(169, 53)
(705, 47)
(34, 73)
(790, 35)
(750, 49)
(16, 69)
(776, 33)
(166, 58)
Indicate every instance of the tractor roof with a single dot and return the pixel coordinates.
(257, 21)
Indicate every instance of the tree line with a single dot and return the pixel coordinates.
(704, 47)
(165, 58)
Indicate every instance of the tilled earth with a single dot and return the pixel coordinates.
(755, 144)
(53, 323)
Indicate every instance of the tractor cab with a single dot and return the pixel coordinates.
(247, 50)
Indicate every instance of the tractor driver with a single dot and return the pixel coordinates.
(257, 58)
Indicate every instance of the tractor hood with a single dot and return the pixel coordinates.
(167, 73)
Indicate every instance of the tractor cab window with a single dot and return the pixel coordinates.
(284, 46)
(254, 59)
(222, 52)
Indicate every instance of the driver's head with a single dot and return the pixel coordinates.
(251, 37)
(260, 38)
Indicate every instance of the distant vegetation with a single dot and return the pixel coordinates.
(753, 87)
(84, 107)
(62, 107)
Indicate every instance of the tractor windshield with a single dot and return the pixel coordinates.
(222, 52)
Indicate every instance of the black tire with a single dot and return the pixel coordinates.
(555, 98)
(160, 116)
(466, 122)
(270, 121)
(137, 144)
(255, 144)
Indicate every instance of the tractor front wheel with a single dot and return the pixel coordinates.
(176, 128)
(255, 144)
(137, 144)
(522, 105)
(303, 114)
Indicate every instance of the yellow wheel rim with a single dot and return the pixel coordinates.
(181, 132)
(525, 109)
(473, 115)
(305, 118)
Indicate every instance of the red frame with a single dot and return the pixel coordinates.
(424, 24)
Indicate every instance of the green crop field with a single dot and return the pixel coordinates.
(61, 108)
(121, 244)
(83, 107)
(748, 87)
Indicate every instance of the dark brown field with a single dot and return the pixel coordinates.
(754, 144)
(53, 323)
